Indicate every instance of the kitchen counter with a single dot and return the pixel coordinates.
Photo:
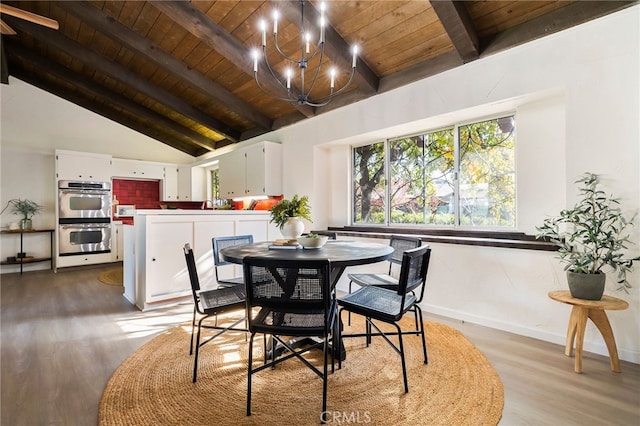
(156, 257)
(208, 212)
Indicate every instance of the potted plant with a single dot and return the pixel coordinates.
(287, 215)
(592, 238)
(27, 209)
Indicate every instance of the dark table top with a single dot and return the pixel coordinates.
(341, 253)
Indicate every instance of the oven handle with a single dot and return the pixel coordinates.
(85, 226)
(84, 191)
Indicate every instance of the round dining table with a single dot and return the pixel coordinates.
(341, 254)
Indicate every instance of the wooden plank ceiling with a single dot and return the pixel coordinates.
(181, 72)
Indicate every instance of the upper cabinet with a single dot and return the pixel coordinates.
(170, 183)
(251, 171)
(184, 183)
(72, 165)
(135, 169)
(191, 183)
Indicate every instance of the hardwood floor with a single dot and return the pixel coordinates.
(64, 334)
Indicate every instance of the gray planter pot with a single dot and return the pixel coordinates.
(586, 286)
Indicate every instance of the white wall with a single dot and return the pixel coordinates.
(576, 97)
(39, 121)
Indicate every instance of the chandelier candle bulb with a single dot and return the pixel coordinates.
(307, 38)
(255, 60)
(333, 77)
(355, 56)
(275, 22)
(263, 27)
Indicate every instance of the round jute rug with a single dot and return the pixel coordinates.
(153, 386)
(111, 277)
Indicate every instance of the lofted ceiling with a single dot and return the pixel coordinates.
(181, 72)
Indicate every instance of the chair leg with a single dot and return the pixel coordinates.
(249, 363)
(404, 366)
(349, 312)
(324, 379)
(339, 330)
(424, 343)
(195, 360)
(193, 326)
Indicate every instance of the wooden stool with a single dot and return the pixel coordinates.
(595, 310)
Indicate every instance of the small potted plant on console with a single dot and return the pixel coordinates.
(27, 209)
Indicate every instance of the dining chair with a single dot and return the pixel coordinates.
(388, 306)
(389, 280)
(222, 242)
(291, 298)
(210, 304)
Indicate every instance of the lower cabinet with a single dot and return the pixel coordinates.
(117, 245)
(160, 268)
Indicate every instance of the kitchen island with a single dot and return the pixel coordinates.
(157, 259)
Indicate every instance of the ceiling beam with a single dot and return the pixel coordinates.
(93, 60)
(198, 24)
(4, 68)
(458, 24)
(335, 47)
(108, 26)
(88, 86)
(575, 13)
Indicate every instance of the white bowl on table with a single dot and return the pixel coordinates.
(313, 242)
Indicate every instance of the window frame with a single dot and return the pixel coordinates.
(455, 126)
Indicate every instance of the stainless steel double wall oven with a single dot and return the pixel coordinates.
(84, 217)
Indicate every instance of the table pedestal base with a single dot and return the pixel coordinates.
(577, 325)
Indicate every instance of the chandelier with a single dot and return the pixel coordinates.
(299, 84)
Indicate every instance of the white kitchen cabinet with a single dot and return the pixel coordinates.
(117, 245)
(231, 169)
(170, 183)
(252, 171)
(135, 169)
(191, 184)
(161, 275)
(84, 166)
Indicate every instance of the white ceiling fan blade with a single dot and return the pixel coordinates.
(28, 16)
(6, 29)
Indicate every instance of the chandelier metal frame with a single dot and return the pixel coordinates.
(300, 95)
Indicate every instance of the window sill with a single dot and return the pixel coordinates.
(515, 240)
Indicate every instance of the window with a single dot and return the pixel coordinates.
(458, 176)
(214, 180)
(369, 184)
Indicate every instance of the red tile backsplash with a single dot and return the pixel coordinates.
(143, 194)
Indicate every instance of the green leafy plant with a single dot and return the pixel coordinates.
(296, 207)
(26, 208)
(592, 235)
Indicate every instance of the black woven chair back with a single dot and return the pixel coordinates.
(413, 272)
(223, 242)
(288, 287)
(401, 244)
(193, 272)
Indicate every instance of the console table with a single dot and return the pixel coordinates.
(594, 310)
(22, 233)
